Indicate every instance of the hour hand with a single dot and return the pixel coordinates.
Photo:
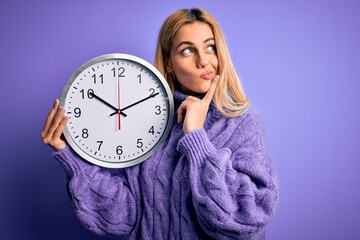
(106, 103)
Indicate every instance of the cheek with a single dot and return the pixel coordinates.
(215, 63)
(183, 71)
(184, 79)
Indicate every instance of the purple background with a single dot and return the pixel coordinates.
(299, 63)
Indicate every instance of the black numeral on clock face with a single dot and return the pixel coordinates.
(119, 150)
(152, 91)
(85, 133)
(100, 143)
(77, 112)
(139, 143)
(101, 78)
(158, 110)
(121, 72)
(89, 93)
(151, 130)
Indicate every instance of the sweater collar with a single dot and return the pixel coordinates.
(213, 114)
(179, 97)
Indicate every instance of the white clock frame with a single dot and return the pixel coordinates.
(74, 84)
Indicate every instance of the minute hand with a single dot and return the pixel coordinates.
(131, 105)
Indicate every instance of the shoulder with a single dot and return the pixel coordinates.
(233, 132)
(251, 120)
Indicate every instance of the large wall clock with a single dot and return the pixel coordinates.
(120, 110)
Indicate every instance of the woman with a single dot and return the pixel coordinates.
(213, 176)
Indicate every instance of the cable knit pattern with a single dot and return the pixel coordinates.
(216, 182)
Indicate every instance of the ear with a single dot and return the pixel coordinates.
(168, 66)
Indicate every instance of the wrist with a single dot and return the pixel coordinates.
(196, 144)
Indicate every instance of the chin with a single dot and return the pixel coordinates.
(196, 90)
(203, 90)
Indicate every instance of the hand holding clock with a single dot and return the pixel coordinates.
(192, 112)
(54, 127)
(73, 120)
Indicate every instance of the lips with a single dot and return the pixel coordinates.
(208, 75)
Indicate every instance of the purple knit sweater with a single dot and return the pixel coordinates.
(214, 182)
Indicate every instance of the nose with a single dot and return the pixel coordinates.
(202, 60)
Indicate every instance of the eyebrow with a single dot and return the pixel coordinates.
(191, 43)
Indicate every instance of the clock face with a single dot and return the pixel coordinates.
(120, 110)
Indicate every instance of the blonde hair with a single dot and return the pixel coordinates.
(229, 97)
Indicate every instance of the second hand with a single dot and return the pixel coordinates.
(119, 125)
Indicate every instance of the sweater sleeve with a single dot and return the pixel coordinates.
(234, 188)
(103, 200)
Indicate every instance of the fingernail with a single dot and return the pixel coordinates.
(217, 77)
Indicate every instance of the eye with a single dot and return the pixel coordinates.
(187, 51)
(211, 48)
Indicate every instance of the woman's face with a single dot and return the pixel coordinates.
(193, 57)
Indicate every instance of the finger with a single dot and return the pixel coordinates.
(49, 118)
(183, 106)
(191, 99)
(59, 130)
(181, 113)
(55, 123)
(210, 94)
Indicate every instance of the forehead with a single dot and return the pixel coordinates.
(192, 32)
